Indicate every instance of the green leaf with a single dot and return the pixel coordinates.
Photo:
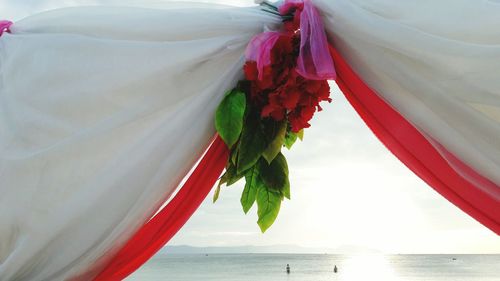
(232, 175)
(229, 177)
(268, 204)
(286, 190)
(252, 143)
(229, 117)
(234, 154)
(300, 134)
(290, 139)
(216, 194)
(249, 194)
(275, 175)
(275, 146)
(222, 180)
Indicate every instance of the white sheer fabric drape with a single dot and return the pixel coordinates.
(436, 62)
(104, 110)
(102, 113)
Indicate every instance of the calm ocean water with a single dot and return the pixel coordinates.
(315, 267)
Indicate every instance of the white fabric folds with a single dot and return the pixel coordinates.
(435, 62)
(103, 111)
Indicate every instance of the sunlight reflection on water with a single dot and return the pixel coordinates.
(365, 267)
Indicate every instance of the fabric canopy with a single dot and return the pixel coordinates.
(101, 120)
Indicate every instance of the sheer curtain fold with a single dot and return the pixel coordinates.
(103, 111)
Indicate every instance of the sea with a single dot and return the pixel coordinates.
(319, 267)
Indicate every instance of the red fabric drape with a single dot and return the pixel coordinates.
(416, 152)
(162, 227)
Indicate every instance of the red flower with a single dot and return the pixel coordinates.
(297, 122)
(282, 92)
(250, 70)
(291, 99)
(273, 108)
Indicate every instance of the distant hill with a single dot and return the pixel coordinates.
(284, 249)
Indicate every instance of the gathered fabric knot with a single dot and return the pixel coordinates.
(300, 16)
(4, 26)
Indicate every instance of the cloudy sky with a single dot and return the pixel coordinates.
(347, 189)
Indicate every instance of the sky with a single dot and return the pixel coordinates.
(347, 190)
